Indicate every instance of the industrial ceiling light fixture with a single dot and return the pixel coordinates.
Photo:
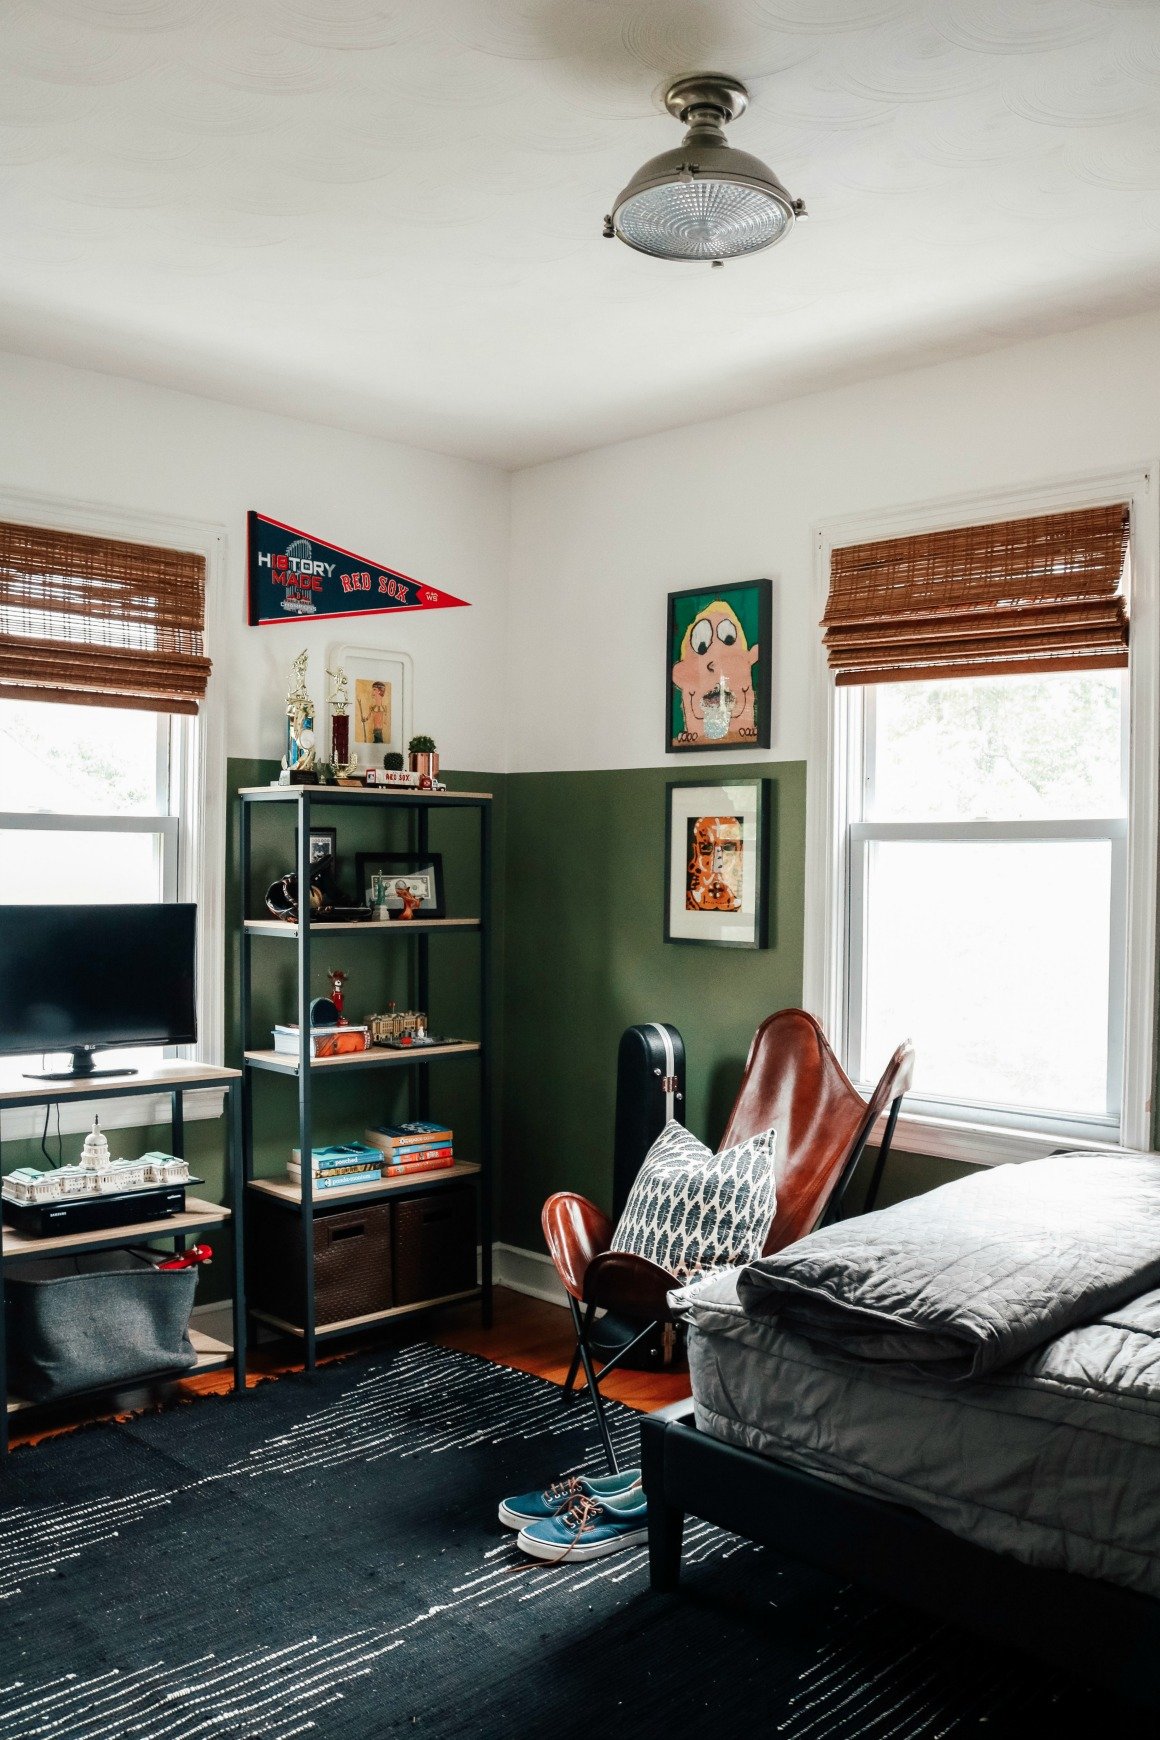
(703, 200)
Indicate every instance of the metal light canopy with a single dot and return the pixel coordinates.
(704, 200)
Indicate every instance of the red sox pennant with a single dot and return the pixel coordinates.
(295, 577)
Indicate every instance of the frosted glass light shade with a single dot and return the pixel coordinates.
(702, 220)
(703, 200)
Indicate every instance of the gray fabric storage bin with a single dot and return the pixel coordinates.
(79, 1323)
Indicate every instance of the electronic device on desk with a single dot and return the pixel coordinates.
(78, 1214)
(96, 1193)
(81, 979)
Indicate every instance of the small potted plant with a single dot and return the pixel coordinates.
(424, 757)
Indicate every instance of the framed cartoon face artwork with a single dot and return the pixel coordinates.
(716, 862)
(717, 665)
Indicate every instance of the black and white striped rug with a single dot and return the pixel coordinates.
(322, 1557)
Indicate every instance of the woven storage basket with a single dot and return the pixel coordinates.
(352, 1261)
(434, 1245)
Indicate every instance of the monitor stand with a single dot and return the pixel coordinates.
(82, 1068)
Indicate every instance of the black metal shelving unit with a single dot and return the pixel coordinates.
(174, 1081)
(301, 802)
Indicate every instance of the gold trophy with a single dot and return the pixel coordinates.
(299, 762)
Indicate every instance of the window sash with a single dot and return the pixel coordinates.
(166, 828)
(1110, 829)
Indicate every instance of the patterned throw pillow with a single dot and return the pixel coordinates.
(691, 1210)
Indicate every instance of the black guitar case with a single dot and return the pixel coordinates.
(650, 1089)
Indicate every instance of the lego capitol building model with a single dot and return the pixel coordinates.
(94, 1174)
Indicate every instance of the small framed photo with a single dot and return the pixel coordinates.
(716, 863)
(718, 658)
(380, 701)
(323, 844)
(384, 878)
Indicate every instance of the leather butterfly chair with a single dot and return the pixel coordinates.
(792, 1083)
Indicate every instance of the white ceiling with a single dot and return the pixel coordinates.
(385, 214)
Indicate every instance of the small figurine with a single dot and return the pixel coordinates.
(337, 981)
(411, 901)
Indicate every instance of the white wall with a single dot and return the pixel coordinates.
(118, 443)
(567, 565)
(599, 540)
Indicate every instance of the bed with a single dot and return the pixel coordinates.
(883, 1431)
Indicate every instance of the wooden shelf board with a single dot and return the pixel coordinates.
(397, 927)
(199, 1216)
(286, 1191)
(284, 1063)
(211, 1354)
(346, 1324)
(333, 793)
(14, 1089)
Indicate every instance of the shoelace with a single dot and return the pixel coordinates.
(579, 1516)
(562, 1489)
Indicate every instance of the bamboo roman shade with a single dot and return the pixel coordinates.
(1042, 594)
(100, 622)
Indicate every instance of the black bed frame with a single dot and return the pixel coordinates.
(1107, 1634)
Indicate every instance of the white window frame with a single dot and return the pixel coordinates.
(197, 771)
(835, 714)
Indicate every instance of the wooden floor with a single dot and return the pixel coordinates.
(526, 1333)
(536, 1337)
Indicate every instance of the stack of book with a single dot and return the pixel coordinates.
(416, 1147)
(339, 1166)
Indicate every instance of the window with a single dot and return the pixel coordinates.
(986, 878)
(982, 813)
(112, 769)
(90, 805)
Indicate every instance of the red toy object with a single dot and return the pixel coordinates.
(189, 1259)
(337, 981)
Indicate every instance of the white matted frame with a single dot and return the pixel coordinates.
(835, 743)
(370, 664)
(194, 868)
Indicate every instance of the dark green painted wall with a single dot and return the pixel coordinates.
(585, 959)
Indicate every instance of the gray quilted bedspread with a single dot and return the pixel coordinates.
(1055, 1459)
(969, 1277)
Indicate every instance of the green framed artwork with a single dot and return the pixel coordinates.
(718, 661)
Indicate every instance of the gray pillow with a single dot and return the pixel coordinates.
(691, 1210)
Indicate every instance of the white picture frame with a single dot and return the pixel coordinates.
(367, 666)
(717, 863)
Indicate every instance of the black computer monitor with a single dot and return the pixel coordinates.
(85, 978)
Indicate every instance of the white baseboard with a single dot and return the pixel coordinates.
(531, 1272)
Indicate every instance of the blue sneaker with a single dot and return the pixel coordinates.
(590, 1528)
(530, 1507)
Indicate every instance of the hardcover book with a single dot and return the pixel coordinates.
(343, 1154)
(332, 1181)
(415, 1137)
